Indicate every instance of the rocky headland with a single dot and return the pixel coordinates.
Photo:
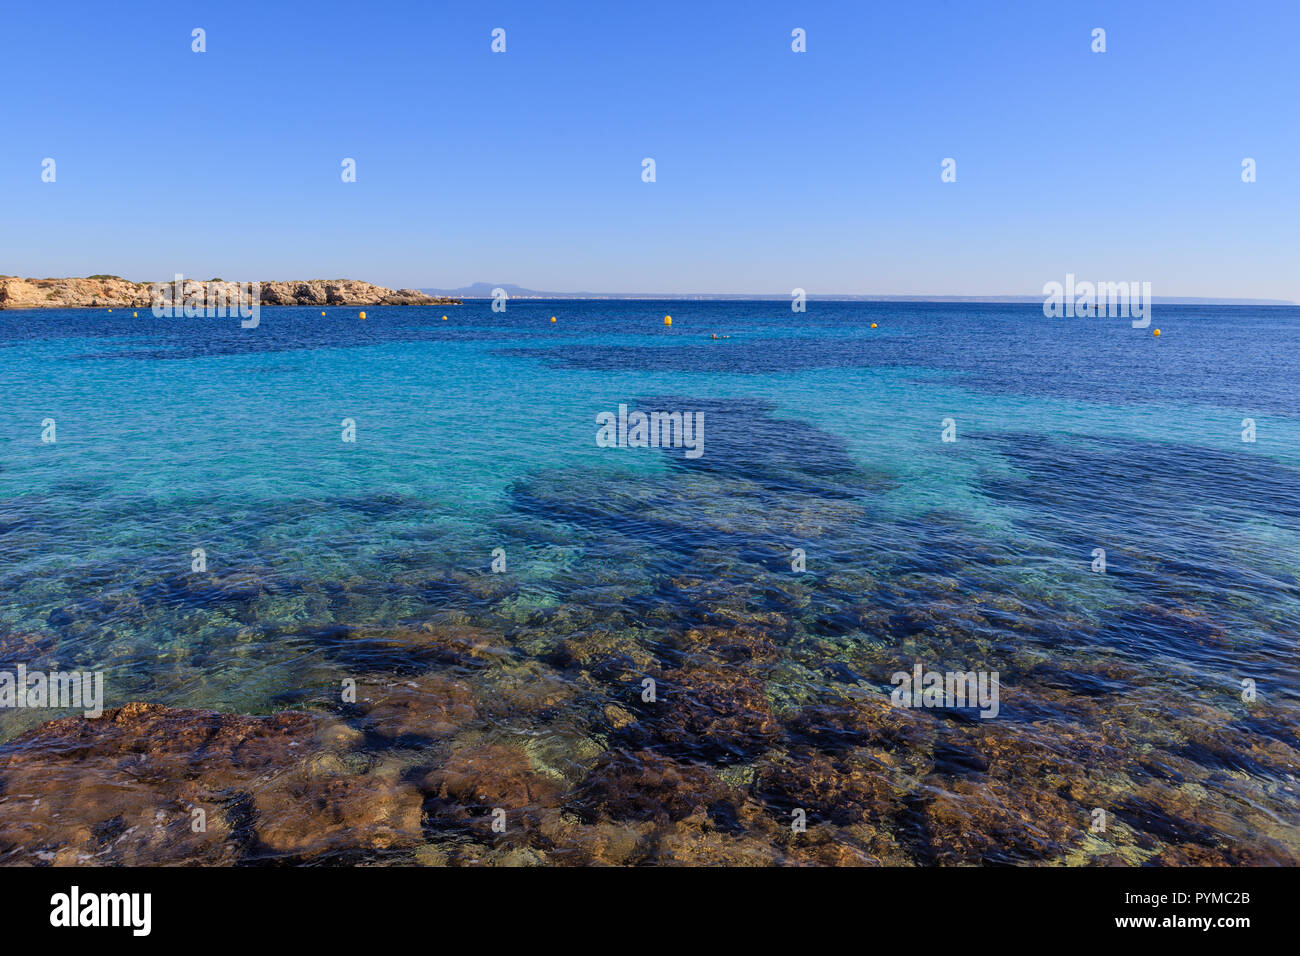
(115, 292)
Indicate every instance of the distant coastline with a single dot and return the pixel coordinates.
(114, 292)
(483, 290)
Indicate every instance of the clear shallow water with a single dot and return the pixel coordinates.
(326, 560)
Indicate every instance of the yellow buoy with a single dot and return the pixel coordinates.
(1156, 333)
(135, 315)
(444, 318)
(363, 315)
(873, 325)
(322, 311)
(552, 318)
(668, 320)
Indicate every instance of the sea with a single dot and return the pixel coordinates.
(1100, 523)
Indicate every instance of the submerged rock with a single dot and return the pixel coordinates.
(642, 785)
(689, 846)
(528, 689)
(990, 821)
(474, 781)
(734, 645)
(152, 784)
(303, 815)
(425, 708)
(123, 788)
(846, 789)
(26, 647)
(711, 710)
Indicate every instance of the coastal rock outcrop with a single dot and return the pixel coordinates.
(114, 292)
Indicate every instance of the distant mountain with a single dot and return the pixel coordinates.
(483, 290)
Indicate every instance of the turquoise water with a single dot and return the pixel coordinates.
(821, 433)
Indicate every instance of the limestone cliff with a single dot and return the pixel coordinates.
(113, 292)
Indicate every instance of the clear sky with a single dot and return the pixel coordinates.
(774, 169)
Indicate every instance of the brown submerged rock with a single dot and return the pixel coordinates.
(303, 815)
(613, 654)
(685, 845)
(605, 843)
(1191, 854)
(815, 849)
(121, 788)
(972, 820)
(451, 642)
(25, 647)
(713, 709)
(527, 688)
(475, 780)
(427, 707)
(645, 786)
(866, 719)
(843, 789)
(734, 645)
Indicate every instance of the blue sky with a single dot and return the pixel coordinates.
(774, 169)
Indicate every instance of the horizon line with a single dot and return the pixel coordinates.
(1012, 299)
